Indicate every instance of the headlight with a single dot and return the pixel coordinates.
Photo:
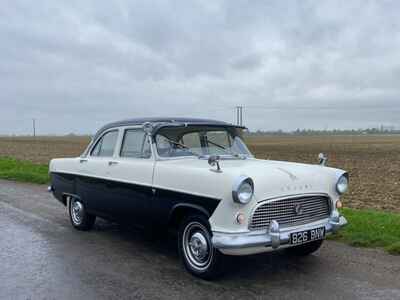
(243, 190)
(343, 184)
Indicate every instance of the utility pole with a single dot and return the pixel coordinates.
(34, 127)
(239, 115)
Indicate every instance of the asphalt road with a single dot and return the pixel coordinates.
(43, 257)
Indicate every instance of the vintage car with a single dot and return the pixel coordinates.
(198, 177)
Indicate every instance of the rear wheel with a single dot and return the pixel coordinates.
(305, 249)
(80, 219)
(197, 253)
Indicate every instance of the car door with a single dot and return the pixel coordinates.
(133, 174)
(94, 183)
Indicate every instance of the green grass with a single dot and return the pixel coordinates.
(394, 248)
(24, 171)
(370, 228)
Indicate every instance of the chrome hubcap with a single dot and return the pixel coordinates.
(77, 211)
(197, 246)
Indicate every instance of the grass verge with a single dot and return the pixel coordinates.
(24, 171)
(370, 228)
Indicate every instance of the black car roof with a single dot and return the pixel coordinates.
(159, 123)
(164, 122)
(139, 121)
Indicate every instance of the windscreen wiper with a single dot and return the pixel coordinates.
(223, 148)
(183, 146)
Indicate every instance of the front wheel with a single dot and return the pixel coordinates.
(80, 219)
(198, 255)
(305, 249)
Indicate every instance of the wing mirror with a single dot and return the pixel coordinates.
(213, 161)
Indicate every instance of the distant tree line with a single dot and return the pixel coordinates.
(381, 130)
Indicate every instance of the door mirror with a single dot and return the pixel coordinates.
(213, 161)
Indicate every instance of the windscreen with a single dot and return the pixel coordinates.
(198, 141)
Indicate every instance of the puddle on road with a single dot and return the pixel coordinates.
(30, 267)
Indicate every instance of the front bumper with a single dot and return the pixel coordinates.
(274, 238)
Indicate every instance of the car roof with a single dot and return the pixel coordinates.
(159, 123)
(162, 122)
(140, 121)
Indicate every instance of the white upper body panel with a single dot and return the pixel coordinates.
(272, 179)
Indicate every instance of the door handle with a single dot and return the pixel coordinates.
(111, 163)
(83, 160)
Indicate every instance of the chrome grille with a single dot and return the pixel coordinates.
(290, 212)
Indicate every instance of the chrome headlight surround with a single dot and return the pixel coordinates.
(243, 190)
(342, 185)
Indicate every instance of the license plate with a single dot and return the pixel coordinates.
(307, 236)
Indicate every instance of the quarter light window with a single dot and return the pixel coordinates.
(106, 145)
(135, 144)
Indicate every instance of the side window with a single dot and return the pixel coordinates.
(164, 147)
(106, 145)
(135, 144)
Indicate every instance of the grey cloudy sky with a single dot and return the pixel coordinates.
(75, 65)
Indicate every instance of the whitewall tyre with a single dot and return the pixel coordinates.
(80, 219)
(198, 255)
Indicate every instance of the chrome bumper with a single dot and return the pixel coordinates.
(274, 237)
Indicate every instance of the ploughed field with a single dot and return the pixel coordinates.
(372, 161)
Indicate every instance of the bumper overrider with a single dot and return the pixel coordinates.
(271, 239)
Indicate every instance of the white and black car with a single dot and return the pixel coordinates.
(197, 176)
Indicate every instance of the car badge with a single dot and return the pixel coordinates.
(298, 209)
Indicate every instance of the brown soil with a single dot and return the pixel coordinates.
(372, 161)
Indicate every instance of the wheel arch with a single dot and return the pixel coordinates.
(66, 195)
(179, 211)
